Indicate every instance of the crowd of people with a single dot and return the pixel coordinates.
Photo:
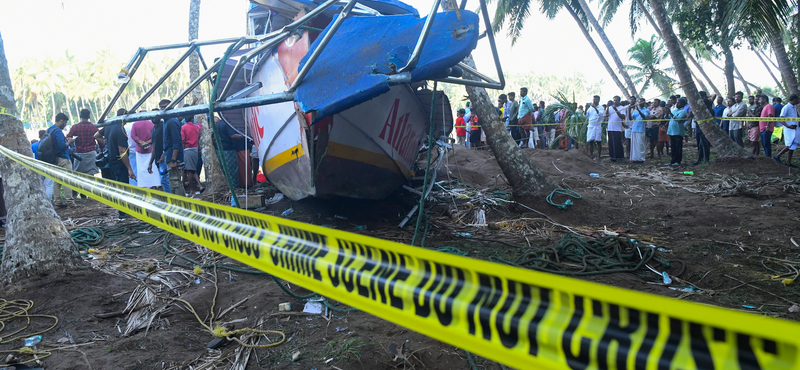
(155, 154)
(635, 125)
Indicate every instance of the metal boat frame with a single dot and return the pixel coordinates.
(237, 101)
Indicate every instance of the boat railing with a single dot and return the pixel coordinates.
(266, 41)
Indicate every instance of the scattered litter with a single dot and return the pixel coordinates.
(464, 235)
(30, 342)
(340, 329)
(287, 212)
(295, 356)
(63, 340)
(767, 204)
(340, 217)
(275, 199)
(666, 278)
(197, 281)
(748, 306)
(686, 289)
(287, 306)
(329, 360)
(140, 275)
(794, 308)
(794, 242)
(145, 232)
(688, 173)
(594, 174)
(313, 307)
(361, 227)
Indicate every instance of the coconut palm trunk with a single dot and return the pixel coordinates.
(722, 143)
(621, 67)
(766, 66)
(784, 64)
(685, 50)
(596, 49)
(37, 242)
(527, 181)
(215, 178)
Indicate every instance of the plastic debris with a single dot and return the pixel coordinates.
(287, 306)
(767, 204)
(361, 227)
(30, 342)
(275, 199)
(340, 217)
(594, 174)
(748, 306)
(287, 212)
(313, 307)
(340, 329)
(295, 356)
(464, 235)
(686, 289)
(794, 308)
(197, 281)
(667, 279)
(688, 173)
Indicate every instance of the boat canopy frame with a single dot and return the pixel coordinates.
(266, 41)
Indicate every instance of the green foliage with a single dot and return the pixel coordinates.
(649, 56)
(45, 87)
(576, 123)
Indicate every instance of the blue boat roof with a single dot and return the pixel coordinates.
(356, 64)
(385, 7)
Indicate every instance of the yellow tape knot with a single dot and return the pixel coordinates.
(197, 270)
(26, 351)
(220, 332)
(787, 281)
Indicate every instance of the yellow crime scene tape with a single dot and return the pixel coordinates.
(523, 318)
(7, 112)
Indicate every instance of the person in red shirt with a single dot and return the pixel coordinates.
(190, 134)
(461, 128)
(766, 127)
(85, 144)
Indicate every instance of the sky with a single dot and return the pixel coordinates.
(38, 28)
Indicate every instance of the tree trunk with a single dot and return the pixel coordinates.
(596, 49)
(36, 241)
(622, 71)
(53, 100)
(215, 178)
(777, 82)
(729, 71)
(784, 64)
(722, 143)
(683, 49)
(527, 181)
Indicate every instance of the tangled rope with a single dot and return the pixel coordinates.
(566, 192)
(578, 257)
(16, 310)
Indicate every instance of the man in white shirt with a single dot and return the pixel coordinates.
(616, 114)
(791, 139)
(594, 130)
(739, 109)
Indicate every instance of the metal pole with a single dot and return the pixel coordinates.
(322, 44)
(423, 36)
(202, 109)
(198, 80)
(132, 66)
(163, 78)
(246, 58)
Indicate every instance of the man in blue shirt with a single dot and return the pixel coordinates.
(61, 152)
(677, 131)
(173, 155)
(718, 109)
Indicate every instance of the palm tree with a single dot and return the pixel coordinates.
(37, 242)
(518, 12)
(639, 9)
(611, 50)
(526, 179)
(648, 55)
(765, 22)
(721, 142)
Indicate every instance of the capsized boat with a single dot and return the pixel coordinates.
(334, 94)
